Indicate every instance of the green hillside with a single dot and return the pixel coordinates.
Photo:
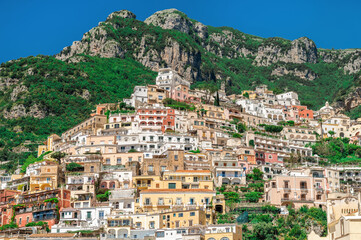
(56, 88)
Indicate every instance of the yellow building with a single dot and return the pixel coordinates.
(122, 158)
(154, 200)
(184, 217)
(48, 178)
(251, 94)
(145, 181)
(212, 111)
(156, 94)
(186, 179)
(49, 144)
(223, 232)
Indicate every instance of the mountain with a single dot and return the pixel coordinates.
(48, 94)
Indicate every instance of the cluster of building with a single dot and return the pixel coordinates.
(151, 171)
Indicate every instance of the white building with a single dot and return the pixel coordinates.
(72, 219)
(139, 96)
(288, 99)
(168, 79)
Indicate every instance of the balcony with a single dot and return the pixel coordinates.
(304, 189)
(300, 200)
(319, 190)
(286, 189)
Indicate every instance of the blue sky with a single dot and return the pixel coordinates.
(31, 27)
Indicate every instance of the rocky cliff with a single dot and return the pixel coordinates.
(169, 38)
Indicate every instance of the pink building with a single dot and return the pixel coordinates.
(297, 189)
(272, 158)
(180, 93)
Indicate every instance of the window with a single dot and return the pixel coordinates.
(176, 157)
(151, 225)
(171, 185)
(27, 220)
(92, 169)
(88, 215)
(180, 214)
(150, 168)
(108, 161)
(119, 161)
(190, 223)
(20, 221)
(163, 168)
(192, 214)
(101, 214)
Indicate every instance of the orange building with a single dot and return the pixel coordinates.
(303, 112)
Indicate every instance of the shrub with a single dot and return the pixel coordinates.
(74, 167)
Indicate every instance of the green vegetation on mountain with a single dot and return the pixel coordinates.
(338, 151)
(57, 89)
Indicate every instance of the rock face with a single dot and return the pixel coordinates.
(122, 14)
(349, 58)
(16, 91)
(93, 43)
(193, 52)
(18, 111)
(170, 19)
(302, 50)
(352, 100)
(176, 20)
(7, 82)
(303, 74)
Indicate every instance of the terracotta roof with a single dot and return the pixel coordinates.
(49, 235)
(175, 190)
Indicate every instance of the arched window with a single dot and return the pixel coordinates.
(224, 238)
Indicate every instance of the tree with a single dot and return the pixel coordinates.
(251, 142)
(246, 95)
(209, 90)
(122, 105)
(358, 153)
(231, 196)
(74, 167)
(216, 101)
(265, 231)
(58, 156)
(241, 127)
(331, 133)
(257, 174)
(273, 128)
(253, 197)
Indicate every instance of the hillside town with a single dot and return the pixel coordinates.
(172, 162)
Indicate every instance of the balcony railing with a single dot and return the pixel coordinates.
(286, 189)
